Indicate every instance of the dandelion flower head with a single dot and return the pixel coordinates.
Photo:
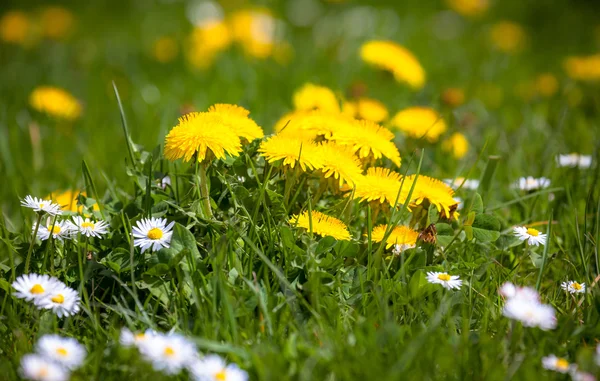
(322, 225)
(55, 102)
(366, 108)
(292, 151)
(398, 60)
(315, 97)
(400, 235)
(237, 119)
(340, 163)
(420, 122)
(457, 144)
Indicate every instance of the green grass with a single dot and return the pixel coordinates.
(282, 302)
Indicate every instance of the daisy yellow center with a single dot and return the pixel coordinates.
(56, 229)
(60, 299)
(37, 289)
(562, 363)
(576, 286)
(533, 232)
(155, 233)
(169, 351)
(221, 375)
(41, 205)
(61, 351)
(444, 277)
(140, 336)
(87, 225)
(42, 373)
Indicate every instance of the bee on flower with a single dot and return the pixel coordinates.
(89, 228)
(168, 353)
(66, 351)
(41, 206)
(152, 233)
(573, 287)
(557, 364)
(39, 368)
(447, 281)
(214, 368)
(532, 236)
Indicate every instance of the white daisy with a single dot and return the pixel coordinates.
(530, 313)
(128, 338)
(38, 368)
(62, 300)
(470, 184)
(164, 182)
(89, 228)
(168, 353)
(530, 183)
(509, 291)
(399, 248)
(214, 368)
(34, 286)
(557, 364)
(152, 233)
(532, 236)
(447, 281)
(574, 160)
(65, 351)
(39, 205)
(573, 287)
(58, 229)
(581, 376)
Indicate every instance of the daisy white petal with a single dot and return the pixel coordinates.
(33, 287)
(214, 368)
(532, 236)
(128, 338)
(39, 205)
(62, 300)
(573, 287)
(57, 229)
(470, 184)
(152, 233)
(168, 353)
(531, 183)
(65, 351)
(39, 368)
(530, 313)
(447, 281)
(89, 228)
(557, 364)
(574, 160)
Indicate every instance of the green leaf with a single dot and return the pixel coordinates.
(184, 239)
(325, 244)
(483, 235)
(477, 205)
(487, 222)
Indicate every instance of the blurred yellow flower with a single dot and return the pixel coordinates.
(469, 8)
(453, 96)
(583, 68)
(508, 37)
(390, 56)
(68, 201)
(292, 151)
(436, 192)
(55, 102)
(369, 140)
(254, 30)
(366, 108)
(315, 122)
(165, 49)
(57, 22)
(314, 97)
(457, 144)
(546, 85)
(420, 122)
(236, 118)
(322, 224)
(201, 133)
(290, 125)
(400, 235)
(15, 27)
(206, 41)
(339, 162)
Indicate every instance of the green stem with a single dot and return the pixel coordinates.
(37, 226)
(204, 191)
(82, 288)
(546, 246)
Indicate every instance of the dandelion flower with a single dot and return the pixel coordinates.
(68, 201)
(557, 364)
(436, 192)
(128, 338)
(206, 41)
(322, 225)
(152, 233)
(292, 151)
(573, 287)
(447, 281)
(368, 109)
(314, 97)
(55, 102)
(383, 185)
(574, 160)
(583, 68)
(214, 368)
(508, 37)
(15, 27)
(400, 235)
(200, 133)
(340, 163)
(457, 144)
(57, 22)
(469, 8)
(398, 60)
(39, 368)
(469, 184)
(59, 230)
(420, 122)
(62, 300)
(453, 96)
(532, 236)
(237, 119)
(88, 227)
(39, 205)
(530, 313)
(531, 183)
(316, 123)
(32, 287)
(255, 30)
(546, 85)
(167, 353)
(65, 351)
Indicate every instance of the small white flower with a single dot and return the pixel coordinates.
(530, 313)
(470, 184)
(447, 281)
(532, 236)
(557, 364)
(399, 248)
(168, 353)
(39, 205)
(531, 183)
(574, 160)
(65, 351)
(128, 338)
(152, 233)
(34, 286)
(88, 227)
(573, 287)
(164, 182)
(214, 368)
(581, 376)
(62, 300)
(509, 291)
(38, 368)
(58, 229)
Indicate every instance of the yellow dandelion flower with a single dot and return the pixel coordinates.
(366, 108)
(381, 184)
(339, 162)
(291, 151)
(68, 201)
(546, 85)
(469, 8)
(15, 27)
(57, 22)
(206, 41)
(199, 132)
(457, 144)
(237, 119)
(420, 122)
(583, 68)
(400, 235)
(388, 55)
(322, 225)
(288, 126)
(314, 97)
(435, 191)
(165, 49)
(453, 96)
(316, 122)
(55, 102)
(508, 37)
(368, 139)
(255, 31)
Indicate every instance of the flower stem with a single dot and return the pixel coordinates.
(37, 226)
(204, 191)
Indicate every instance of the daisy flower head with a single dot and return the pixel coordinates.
(447, 281)
(39, 368)
(530, 313)
(214, 368)
(59, 230)
(557, 364)
(88, 227)
(168, 353)
(65, 351)
(573, 287)
(55, 102)
(152, 233)
(33, 287)
(128, 338)
(420, 123)
(41, 206)
(322, 225)
(532, 236)
(578, 375)
(574, 160)
(398, 60)
(62, 300)
(510, 291)
(311, 97)
(530, 183)
(470, 184)
(399, 236)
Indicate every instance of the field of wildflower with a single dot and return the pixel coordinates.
(299, 190)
